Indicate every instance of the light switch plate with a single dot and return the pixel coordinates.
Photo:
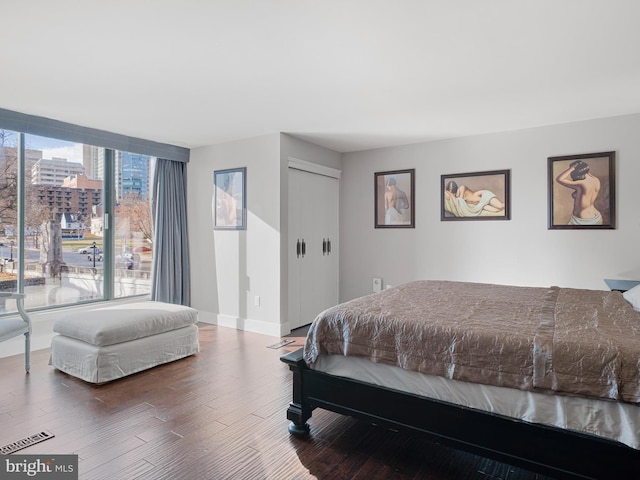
(377, 284)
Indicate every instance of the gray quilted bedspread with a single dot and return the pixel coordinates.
(582, 342)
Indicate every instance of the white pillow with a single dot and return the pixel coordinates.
(633, 297)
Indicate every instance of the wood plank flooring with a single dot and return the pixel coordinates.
(220, 414)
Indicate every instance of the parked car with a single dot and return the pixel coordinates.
(89, 249)
(127, 260)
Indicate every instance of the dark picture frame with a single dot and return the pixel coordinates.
(230, 199)
(476, 196)
(582, 191)
(395, 199)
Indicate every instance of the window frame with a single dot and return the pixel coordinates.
(23, 124)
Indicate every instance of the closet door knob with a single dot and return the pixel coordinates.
(328, 246)
(298, 248)
(324, 246)
(304, 248)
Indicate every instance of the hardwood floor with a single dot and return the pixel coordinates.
(217, 415)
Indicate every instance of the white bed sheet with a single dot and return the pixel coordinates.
(614, 420)
(97, 364)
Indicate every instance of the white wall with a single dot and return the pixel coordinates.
(521, 251)
(229, 269)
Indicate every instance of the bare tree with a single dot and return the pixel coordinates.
(8, 180)
(138, 211)
(36, 213)
(7, 138)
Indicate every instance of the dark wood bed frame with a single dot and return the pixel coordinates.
(547, 450)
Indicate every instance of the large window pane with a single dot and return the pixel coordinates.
(8, 215)
(66, 242)
(133, 246)
(63, 222)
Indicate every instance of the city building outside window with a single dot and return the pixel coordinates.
(69, 255)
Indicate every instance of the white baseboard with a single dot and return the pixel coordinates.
(245, 324)
(42, 328)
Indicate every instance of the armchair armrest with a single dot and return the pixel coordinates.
(10, 328)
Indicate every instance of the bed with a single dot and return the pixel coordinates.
(542, 378)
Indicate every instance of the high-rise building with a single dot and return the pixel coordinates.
(10, 154)
(132, 174)
(54, 171)
(93, 161)
(132, 170)
(68, 199)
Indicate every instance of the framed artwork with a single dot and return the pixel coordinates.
(229, 202)
(582, 191)
(395, 199)
(476, 196)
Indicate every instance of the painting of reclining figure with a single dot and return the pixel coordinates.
(476, 196)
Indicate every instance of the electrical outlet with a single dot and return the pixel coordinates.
(377, 284)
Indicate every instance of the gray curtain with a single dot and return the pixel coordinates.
(170, 273)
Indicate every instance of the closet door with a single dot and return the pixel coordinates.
(313, 245)
(294, 247)
(326, 222)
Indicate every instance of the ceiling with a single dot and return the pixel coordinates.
(345, 74)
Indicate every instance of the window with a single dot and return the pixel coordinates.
(70, 255)
(8, 211)
(133, 233)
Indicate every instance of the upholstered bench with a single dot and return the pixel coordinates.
(110, 342)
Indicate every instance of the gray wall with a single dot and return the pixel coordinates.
(521, 251)
(231, 268)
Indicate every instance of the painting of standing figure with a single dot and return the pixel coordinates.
(229, 199)
(394, 199)
(476, 196)
(581, 191)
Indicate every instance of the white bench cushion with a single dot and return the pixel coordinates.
(103, 364)
(115, 324)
